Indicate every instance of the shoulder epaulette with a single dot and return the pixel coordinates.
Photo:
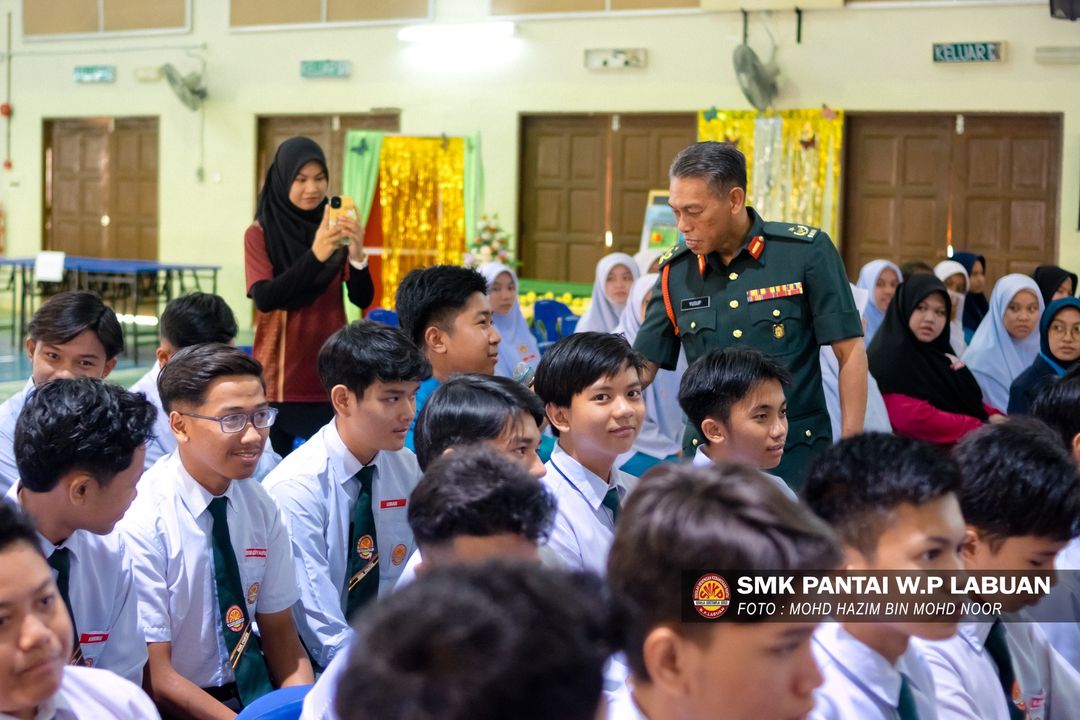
(672, 252)
(790, 231)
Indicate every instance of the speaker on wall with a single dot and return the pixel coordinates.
(1065, 9)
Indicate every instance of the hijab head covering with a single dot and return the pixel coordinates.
(661, 433)
(927, 371)
(290, 231)
(945, 270)
(868, 278)
(1060, 366)
(993, 355)
(645, 258)
(603, 315)
(1049, 279)
(976, 304)
(518, 343)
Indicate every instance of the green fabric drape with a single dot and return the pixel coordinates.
(359, 176)
(474, 186)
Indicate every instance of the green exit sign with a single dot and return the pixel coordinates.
(968, 52)
(325, 68)
(95, 73)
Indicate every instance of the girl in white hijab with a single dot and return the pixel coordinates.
(518, 343)
(661, 434)
(955, 277)
(615, 276)
(880, 278)
(1007, 340)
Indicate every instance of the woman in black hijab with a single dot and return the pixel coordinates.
(929, 392)
(976, 305)
(1054, 283)
(296, 262)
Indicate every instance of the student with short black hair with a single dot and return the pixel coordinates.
(591, 386)
(344, 494)
(445, 310)
(1020, 496)
(680, 518)
(72, 334)
(489, 641)
(735, 398)
(899, 515)
(209, 548)
(473, 505)
(1058, 405)
(36, 680)
(80, 444)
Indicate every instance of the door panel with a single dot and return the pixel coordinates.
(76, 150)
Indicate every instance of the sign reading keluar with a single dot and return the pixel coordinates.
(969, 52)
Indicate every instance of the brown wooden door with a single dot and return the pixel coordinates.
(986, 183)
(101, 187)
(327, 130)
(585, 175)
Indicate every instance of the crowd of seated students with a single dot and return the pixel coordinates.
(423, 555)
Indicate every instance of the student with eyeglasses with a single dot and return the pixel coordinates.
(1059, 338)
(210, 552)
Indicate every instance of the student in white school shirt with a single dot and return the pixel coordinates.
(900, 515)
(72, 334)
(1020, 496)
(590, 383)
(36, 681)
(735, 398)
(80, 445)
(350, 534)
(191, 319)
(196, 613)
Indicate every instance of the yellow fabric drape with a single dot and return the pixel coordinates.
(422, 197)
(793, 161)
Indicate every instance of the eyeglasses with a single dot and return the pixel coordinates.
(261, 419)
(1060, 328)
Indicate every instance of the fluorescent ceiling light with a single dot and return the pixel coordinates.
(437, 33)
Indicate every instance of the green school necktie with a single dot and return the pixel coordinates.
(245, 655)
(998, 649)
(906, 707)
(362, 576)
(60, 561)
(611, 502)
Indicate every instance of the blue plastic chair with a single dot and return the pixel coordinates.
(283, 704)
(388, 317)
(568, 325)
(550, 322)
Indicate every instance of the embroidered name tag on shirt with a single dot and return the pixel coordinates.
(773, 292)
(90, 638)
(698, 303)
(255, 553)
(391, 504)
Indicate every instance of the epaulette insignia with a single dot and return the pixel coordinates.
(672, 252)
(787, 230)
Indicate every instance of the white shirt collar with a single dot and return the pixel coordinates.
(343, 462)
(975, 634)
(588, 483)
(863, 664)
(195, 497)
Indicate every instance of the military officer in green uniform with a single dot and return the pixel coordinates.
(777, 287)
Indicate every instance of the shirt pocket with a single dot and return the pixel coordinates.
(778, 325)
(697, 329)
(808, 429)
(252, 570)
(396, 544)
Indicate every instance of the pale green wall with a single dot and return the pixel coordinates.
(851, 59)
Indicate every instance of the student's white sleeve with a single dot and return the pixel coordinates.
(279, 589)
(125, 652)
(149, 565)
(563, 542)
(9, 471)
(954, 702)
(319, 616)
(1064, 681)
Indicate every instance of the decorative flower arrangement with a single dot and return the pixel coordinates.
(491, 244)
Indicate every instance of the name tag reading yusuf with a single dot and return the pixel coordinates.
(698, 303)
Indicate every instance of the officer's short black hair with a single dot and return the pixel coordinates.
(681, 518)
(64, 316)
(188, 374)
(197, 318)
(17, 527)
(1058, 405)
(365, 352)
(721, 378)
(435, 296)
(81, 424)
(722, 165)
(476, 491)
(579, 360)
(469, 409)
(497, 640)
(853, 489)
(1017, 480)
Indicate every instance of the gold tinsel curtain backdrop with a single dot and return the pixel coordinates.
(422, 197)
(793, 160)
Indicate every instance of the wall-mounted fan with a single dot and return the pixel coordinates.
(189, 88)
(756, 78)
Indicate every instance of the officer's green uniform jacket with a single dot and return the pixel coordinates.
(785, 293)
